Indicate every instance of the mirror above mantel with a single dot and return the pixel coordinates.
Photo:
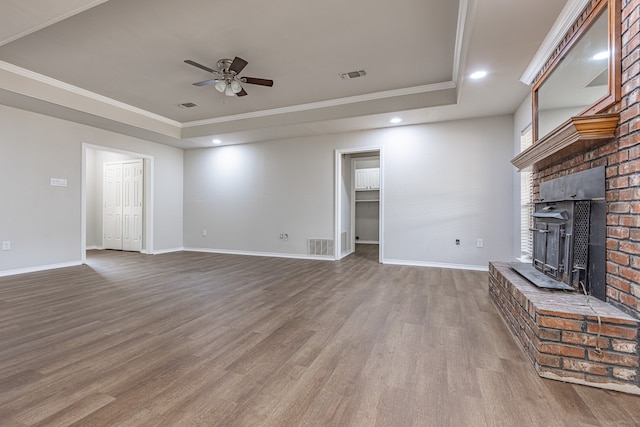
(577, 85)
(579, 79)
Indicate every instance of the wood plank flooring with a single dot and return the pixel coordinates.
(193, 339)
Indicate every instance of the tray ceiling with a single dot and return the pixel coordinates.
(130, 55)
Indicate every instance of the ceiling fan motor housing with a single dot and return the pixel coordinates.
(229, 82)
(224, 65)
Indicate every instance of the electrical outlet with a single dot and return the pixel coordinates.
(204, 233)
(6, 245)
(284, 236)
(458, 242)
(480, 243)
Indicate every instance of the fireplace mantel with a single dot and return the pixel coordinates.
(574, 136)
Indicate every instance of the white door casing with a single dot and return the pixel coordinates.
(347, 206)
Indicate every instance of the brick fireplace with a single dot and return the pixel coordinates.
(569, 336)
(565, 336)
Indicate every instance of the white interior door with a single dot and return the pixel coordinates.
(123, 205)
(112, 213)
(132, 182)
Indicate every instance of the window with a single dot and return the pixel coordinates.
(526, 201)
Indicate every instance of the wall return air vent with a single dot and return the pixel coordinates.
(321, 247)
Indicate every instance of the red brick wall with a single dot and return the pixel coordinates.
(564, 337)
(621, 157)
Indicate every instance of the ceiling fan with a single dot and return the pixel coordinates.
(228, 81)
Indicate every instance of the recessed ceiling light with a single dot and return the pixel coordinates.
(396, 120)
(478, 74)
(217, 141)
(601, 55)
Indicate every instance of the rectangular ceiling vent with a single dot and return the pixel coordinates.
(353, 74)
(188, 105)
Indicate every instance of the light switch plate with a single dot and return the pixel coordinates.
(58, 182)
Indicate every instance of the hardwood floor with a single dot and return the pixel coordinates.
(193, 339)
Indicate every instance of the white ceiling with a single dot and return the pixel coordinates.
(118, 64)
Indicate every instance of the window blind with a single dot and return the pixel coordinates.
(526, 200)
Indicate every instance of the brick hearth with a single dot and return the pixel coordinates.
(562, 337)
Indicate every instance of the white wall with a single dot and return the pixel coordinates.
(448, 181)
(246, 195)
(43, 222)
(441, 182)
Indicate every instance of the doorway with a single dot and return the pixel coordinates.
(365, 216)
(359, 200)
(93, 160)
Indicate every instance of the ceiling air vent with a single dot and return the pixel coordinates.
(353, 74)
(188, 105)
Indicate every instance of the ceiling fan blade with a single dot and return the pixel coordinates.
(206, 82)
(237, 65)
(257, 81)
(242, 93)
(202, 67)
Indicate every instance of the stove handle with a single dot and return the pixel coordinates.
(539, 230)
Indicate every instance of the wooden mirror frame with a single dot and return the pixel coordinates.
(582, 25)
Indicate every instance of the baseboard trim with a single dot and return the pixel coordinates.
(436, 265)
(261, 254)
(345, 254)
(39, 268)
(167, 251)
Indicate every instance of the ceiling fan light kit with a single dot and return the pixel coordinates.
(228, 81)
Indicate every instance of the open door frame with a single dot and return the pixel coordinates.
(340, 204)
(148, 162)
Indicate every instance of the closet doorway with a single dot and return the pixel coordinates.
(366, 197)
(109, 175)
(359, 200)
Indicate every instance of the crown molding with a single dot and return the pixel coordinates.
(466, 19)
(52, 21)
(567, 17)
(325, 104)
(254, 114)
(460, 46)
(23, 72)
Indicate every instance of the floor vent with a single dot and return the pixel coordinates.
(323, 247)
